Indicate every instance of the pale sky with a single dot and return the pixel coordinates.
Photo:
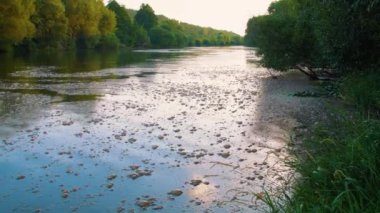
(231, 15)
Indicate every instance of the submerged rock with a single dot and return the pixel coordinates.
(120, 209)
(175, 192)
(224, 154)
(67, 123)
(110, 185)
(111, 177)
(251, 150)
(21, 177)
(65, 193)
(145, 203)
(158, 208)
(227, 146)
(139, 173)
(132, 140)
(195, 182)
(134, 167)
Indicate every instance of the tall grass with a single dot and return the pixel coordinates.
(341, 171)
(363, 90)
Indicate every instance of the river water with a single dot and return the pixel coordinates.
(155, 130)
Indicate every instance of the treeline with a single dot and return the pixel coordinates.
(91, 24)
(196, 35)
(328, 37)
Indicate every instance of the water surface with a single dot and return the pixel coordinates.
(101, 132)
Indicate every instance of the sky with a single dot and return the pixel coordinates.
(231, 15)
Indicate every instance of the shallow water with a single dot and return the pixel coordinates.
(101, 132)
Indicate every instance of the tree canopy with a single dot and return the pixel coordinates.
(327, 36)
(15, 21)
(145, 17)
(124, 28)
(91, 24)
(51, 22)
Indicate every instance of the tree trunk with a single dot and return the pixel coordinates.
(312, 75)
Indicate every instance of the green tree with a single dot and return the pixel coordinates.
(173, 26)
(51, 23)
(125, 29)
(90, 22)
(84, 17)
(236, 40)
(107, 28)
(273, 34)
(283, 38)
(15, 24)
(162, 38)
(146, 18)
(107, 22)
(142, 37)
(318, 37)
(249, 33)
(348, 32)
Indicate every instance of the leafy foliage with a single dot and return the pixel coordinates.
(91, 24)
(142, 38)
(363, 90)
(331, 35)
(51, 23)
(107, 22)
(15, 23)
(146, 18)
(168, 34)
(124, 28)
(84, 17)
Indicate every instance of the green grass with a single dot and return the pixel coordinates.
(363, 90)
(342, 170)
(340, 164)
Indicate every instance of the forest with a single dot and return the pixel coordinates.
(86, 24)
(338, 41)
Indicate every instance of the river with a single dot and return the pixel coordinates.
(182, 130)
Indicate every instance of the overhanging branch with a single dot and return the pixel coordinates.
(312, 75)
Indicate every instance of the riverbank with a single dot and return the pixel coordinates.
(338, 161)
(282, 118)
